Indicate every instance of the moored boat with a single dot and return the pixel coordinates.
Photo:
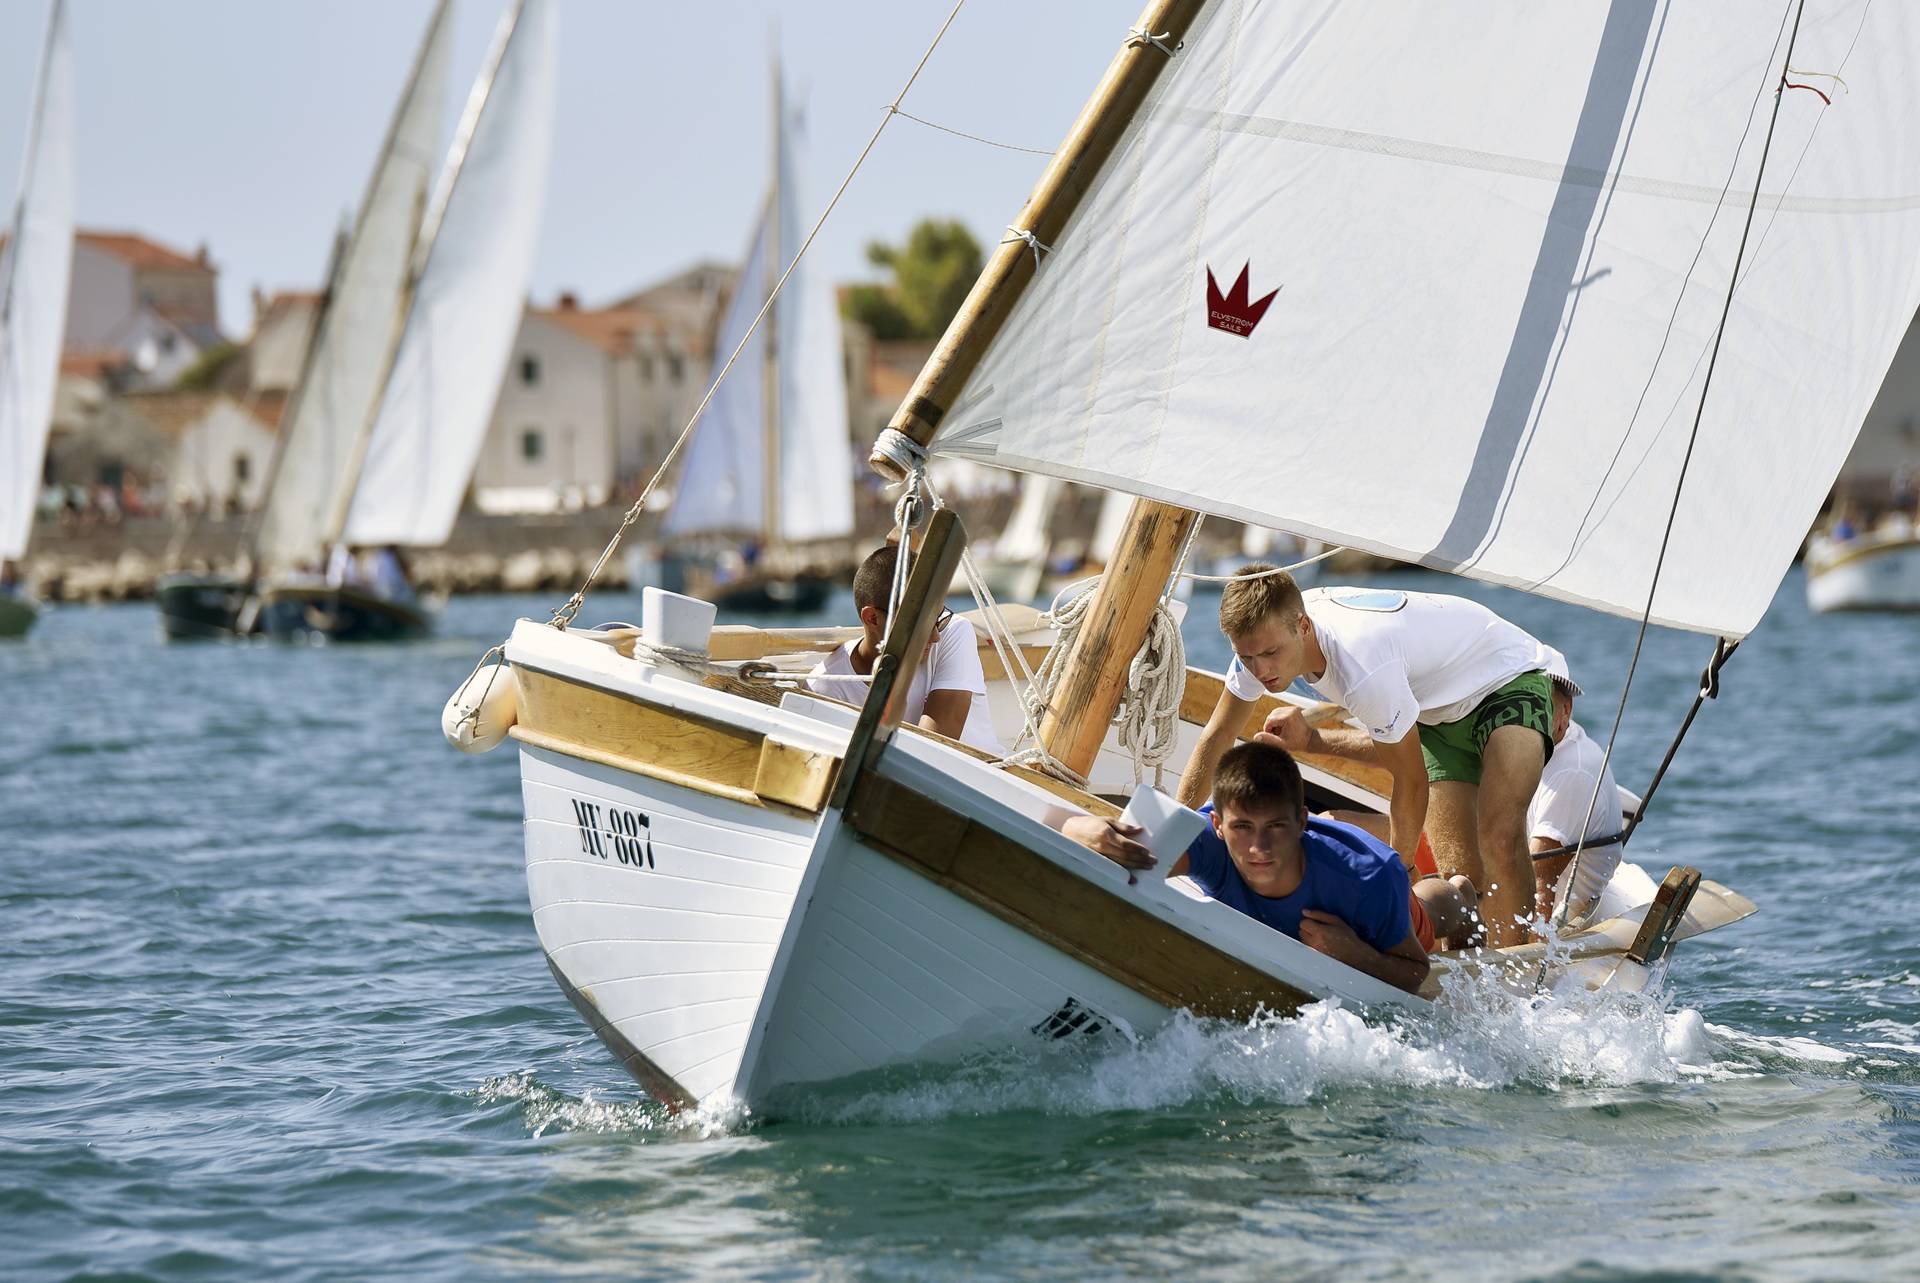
(200, 607)
(1879, 570)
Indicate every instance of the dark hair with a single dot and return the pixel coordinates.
(1253, 773)
(873, 582)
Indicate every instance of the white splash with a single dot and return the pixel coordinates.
(1489, 1039)
(548, 1108)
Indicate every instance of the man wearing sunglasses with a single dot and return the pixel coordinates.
(949, 691)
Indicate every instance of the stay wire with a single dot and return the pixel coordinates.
(565, 615)
(1722, 648)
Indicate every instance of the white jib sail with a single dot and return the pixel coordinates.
(33, 290)
(722, 486)
(816, 453)
(468, 299)
(354, 338)
(1441, 282)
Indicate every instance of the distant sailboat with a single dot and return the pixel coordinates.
(1018, 562)
(340, 381)
(412, 460)
(35, 268)
(770, 462)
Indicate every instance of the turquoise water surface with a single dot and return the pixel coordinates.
(271, 1006)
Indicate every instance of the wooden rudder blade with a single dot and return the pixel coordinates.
(1664, 915)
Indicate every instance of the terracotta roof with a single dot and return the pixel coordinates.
(91, 363)
(133, 248)
(894, 366)
(175, 412)
(611, 329)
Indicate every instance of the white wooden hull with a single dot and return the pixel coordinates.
(726, 946)
(1871, 573)
(666, 938)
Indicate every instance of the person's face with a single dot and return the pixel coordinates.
(1562, 713)
(1274, 650)
(1263, 840)
(874, 621)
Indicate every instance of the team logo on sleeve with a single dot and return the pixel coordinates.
(1232, 311)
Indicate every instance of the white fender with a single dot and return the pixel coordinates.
(480, 713)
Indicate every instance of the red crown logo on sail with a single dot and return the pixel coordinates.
(1232, 312)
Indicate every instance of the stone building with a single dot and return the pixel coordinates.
(151, 309)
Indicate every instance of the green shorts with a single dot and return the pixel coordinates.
(1453, 750)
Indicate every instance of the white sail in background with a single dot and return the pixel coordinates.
(33, 289)
(468, 299)
(1107, 527)
(816, 456)
(722, 486)
(1442, 284)
(1025, 537)
(354, 338)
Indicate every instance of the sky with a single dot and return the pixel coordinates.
(251, 125)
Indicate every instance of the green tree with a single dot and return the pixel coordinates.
(931, 275)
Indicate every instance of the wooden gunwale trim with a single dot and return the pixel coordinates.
(614, 728)
(649, 1075)
(1085, 921)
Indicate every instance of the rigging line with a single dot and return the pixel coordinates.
(564, 616)
(1666, 536)
(961, 133)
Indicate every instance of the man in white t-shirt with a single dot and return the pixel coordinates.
(1455, 703)
(948, 693)
(1565, 793)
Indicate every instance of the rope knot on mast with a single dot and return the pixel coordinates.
(1032, 242)
(1140, 37)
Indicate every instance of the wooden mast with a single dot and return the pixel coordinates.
(1093, 677)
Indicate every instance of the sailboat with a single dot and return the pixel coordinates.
(34, 272)
(1018, 564)
(414, 454)
(1877, 569)
(771, 467)
(339, 381)
(1486, 335)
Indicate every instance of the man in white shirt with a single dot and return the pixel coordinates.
(1566, 791)
(1455, 703)
(948, 693)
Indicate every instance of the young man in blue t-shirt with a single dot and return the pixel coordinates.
(1329, 885)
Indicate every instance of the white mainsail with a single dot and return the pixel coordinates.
(467, 298)
(33, 289)
(354, 338)
(723, 487)
(1442, 283)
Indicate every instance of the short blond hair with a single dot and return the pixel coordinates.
(1258, 592)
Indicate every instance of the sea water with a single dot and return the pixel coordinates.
(271, 1006)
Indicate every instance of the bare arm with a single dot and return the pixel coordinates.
(946, 712)
(1546, 873)
(1407, 808)
(1404, 966)
(1220, 734)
